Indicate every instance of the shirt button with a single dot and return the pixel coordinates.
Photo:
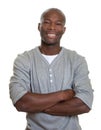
(50, 70)
(50, 75)
(51, 80)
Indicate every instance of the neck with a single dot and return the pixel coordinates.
(49, 50)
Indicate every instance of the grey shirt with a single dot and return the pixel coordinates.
(33, 73)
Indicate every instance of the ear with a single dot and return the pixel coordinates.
(39, 26)
(64, 29)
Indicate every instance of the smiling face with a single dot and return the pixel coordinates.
(52, 27)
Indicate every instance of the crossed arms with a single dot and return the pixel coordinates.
(59, 103)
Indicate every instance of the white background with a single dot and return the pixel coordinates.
(18, 32)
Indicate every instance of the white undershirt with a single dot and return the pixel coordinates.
(50, 58)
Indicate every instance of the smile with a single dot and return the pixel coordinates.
(51, 35)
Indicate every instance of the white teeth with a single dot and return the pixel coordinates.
(51, 35)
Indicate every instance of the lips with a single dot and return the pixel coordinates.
(51, 35)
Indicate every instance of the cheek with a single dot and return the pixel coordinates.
(61, 30)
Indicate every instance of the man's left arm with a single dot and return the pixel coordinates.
(72, 107)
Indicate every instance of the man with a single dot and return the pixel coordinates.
(51, 83)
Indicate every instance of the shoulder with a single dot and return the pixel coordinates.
(25, 57)
(72, 54)
(74, 57)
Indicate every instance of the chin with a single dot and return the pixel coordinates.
(51, 43)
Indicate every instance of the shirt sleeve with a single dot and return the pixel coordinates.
(82, 84)
(20, 81)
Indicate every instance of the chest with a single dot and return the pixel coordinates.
(52, 77)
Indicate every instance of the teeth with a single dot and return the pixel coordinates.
(51, 35)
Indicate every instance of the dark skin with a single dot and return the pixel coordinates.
(35, 103)
(61, 103)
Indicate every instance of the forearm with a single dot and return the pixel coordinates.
(68, 108)
(33, 102)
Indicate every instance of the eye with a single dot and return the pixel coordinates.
(46, 22)
(59, 23)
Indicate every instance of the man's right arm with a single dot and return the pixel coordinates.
(33, 102)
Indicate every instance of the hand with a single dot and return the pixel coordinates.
(68, 94)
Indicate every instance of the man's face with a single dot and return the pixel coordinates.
(51, 28)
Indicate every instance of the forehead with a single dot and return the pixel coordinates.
(54, 15)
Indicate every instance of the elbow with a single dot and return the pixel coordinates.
(24, 107)
(20, 106)
(20, 109)
(86, 109)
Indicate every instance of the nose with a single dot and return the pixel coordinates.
(52, 26)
